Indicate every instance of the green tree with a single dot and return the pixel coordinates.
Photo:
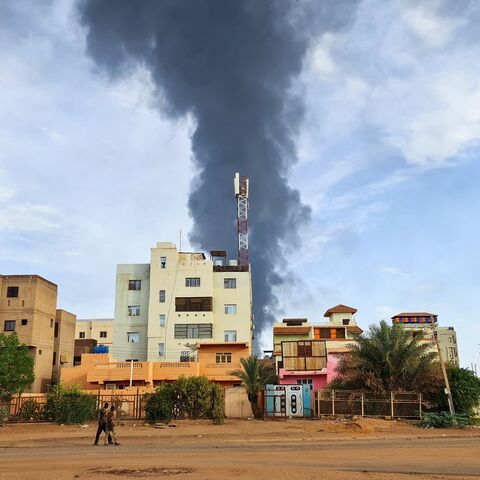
(387, 359)
(465, 387)
(16, 367)
(254, 375)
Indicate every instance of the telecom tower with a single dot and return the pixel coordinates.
(241, 192)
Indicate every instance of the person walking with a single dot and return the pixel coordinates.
(102, 424)
(110, 426)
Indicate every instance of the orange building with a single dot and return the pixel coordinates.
(216, 361)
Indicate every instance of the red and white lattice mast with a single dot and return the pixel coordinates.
(241, 192)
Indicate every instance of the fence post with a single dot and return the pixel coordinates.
(18, 405)
(420, 405)
(391, 405)
(332, 393)
(363, 404)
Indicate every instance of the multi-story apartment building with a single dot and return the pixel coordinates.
(130, 326)
(165, 309)
(419, 325)
(28, 306)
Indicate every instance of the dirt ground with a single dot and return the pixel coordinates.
(242, 449)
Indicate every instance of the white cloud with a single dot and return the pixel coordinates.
(430, 27)
(28, 218)
(394, 272)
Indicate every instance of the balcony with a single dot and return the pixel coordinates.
(220, 371)
(119, 371)
(173, 370)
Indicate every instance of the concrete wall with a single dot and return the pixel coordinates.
(92, 328)
(36, 305)
(121, 348)
(236, 403)
(64, 342)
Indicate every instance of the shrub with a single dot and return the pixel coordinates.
(159, 406)
(445, 420)
(68, 404)
(218, 407)
(30, 410)
(196, 397)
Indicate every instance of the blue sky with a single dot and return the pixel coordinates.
(388, 162)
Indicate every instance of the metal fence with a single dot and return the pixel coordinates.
(30, 407)
(368, 404)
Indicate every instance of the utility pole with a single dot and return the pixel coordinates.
(131, 372)
(442, 364)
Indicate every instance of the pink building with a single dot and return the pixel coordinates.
(308, 354)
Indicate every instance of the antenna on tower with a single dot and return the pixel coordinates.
(241, 193)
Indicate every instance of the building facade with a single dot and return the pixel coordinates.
(63, 342)
(318, 346)
(130, 325)
(102, 371)
(99, 329)
(422, 325)
(28, 307)
(165, 309)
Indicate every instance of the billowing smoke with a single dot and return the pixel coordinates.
(232, 65)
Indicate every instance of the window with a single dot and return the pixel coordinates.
(230, 335)
(230, 309)
(192, 282)
(161, 349)
(24, 321)
(305, 381)
(346, 321)
(193, 330)
(81, 334)
(54, 358)
(163, 262)
(12, 292)
(162, 320)
(229, 283)
(133, 337)
(55, 332)
(223, 358)
(193, 304)
(185, 356)
(304, 350)
(134, 284)
(51, 323)
(103, 334)
(161, 296)
(134, 310)
(9, 326)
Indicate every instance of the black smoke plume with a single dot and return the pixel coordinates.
(232, 64)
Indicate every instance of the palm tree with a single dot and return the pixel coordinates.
(254, 376)
(388, 359)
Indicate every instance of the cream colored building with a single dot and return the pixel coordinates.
(419, 325)
(28, 306)
(191, 300)
(99, 329)
(130, 324)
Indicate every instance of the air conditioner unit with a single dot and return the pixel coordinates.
(64, 358)
(232, 263)
(218, 263)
